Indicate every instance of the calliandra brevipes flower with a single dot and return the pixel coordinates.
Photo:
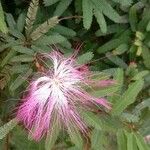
(58, 97)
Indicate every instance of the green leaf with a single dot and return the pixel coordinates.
(92, 120)
(16, 33)
(128, 97)
(19, 140)
(78, 6)
(66, 44)
(148, 27)
(110, 123)
(22, 58)
(10, 21)
(119, 78)
(121, 140)
(114, 28)
(121, 49)
(65, 31)
(144, 19)
(133, 18)
(104, 91)
(124, 2)
(116, 60)
(5, 46)
(51, 39)
(132, 118)
(21, 22)
(52, 137)
(23, 50)
(73, 148)
(96, 139)
(140, 75)
(20, 80)
(115, 42)
(61, 7)
(31, 15)
(19, 68)
(9, 55)
(109, 45)
(140, 142)
(101, 21)
(50, 2)
(145, 103)
(3, 26)
(104, 6)
(85, 58)
(146, 56)
(44, 28)
(87, 13)
(145, 128)
(6, 128)
(140, 35)
(130, 138)
(41, 48)
(75, 137)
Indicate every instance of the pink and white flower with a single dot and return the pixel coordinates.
(58, 97)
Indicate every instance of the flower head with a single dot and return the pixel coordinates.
(58, 97)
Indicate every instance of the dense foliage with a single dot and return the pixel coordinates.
(114, 40)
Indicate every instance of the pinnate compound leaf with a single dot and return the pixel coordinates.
(140, 75)
(3, 26)
(109, 45)
(146, 56)
(130, 138)
(128, 97)
(52, 137)
(121, 140)
(133, 18)
(116, 60)
(50, 2)
(20, 80)
(65, 31)
(22, 58)
(97, 139)
(23, 50)
(8, 57)
(101, 21)
(92, 120)
(87, 13)
(105, 7)
(114, 28)
(19, 68)
(21, 22)
(148, 27)
(145, 103)
(124, 2)
(31, 15)
(61, 7)
(10, 21)
(121, 49)
(51, 39)
(75, 137)
(43, 28)
(130, 117)
(140, 142)
(85, 58)
(6, 128)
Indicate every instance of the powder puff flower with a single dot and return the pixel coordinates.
(58, 97)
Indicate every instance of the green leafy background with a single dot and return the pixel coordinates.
(114, 39)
